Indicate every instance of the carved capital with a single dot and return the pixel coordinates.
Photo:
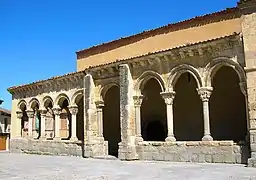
(19, 114)
(138, 100)
(168, 97)
(56, 111)
(43, 112)
(73, 110)
(30, 113)
(205, 93)
(99, 104)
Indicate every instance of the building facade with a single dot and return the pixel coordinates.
(181, 92)
(5, 124)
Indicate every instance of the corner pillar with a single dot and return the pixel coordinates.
(248, 24)
(168, 98)
(205, 93)
(127, 149)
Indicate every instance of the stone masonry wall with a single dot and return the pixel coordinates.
(46, 147)
(202, 152)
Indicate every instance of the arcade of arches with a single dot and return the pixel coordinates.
(225, 101)
(48, 122)
(179, 115)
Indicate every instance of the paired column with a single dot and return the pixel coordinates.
(42, 124)
(100, 105)
(137, 104)
(19, 117)
(168, 98)
(57, 123)
(205, 93)
(31, 116)
(73, 110)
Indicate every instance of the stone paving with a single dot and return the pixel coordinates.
(37, 167)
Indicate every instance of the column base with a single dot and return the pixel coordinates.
(57, 138)
(170, 139)
(42, 138)
(101, 139)
(207, 138)
(73, 139)
(138, 139)
(252, 162)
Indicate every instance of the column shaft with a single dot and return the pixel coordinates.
(30, 114)
(100, 105)
(168, 98)
(74, 111)
(19, 117)
(137, 104)
(42, 130)
(205, 93)
(57, 123)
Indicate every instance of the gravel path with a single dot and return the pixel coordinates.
(36, 167)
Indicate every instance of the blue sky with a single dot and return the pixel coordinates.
(38, 39)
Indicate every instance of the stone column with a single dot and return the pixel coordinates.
(19, 117)
(168, 98)
(31, 115)
(73, 110)
(205, 93)
(42, 124)
(137, 104)
(57, 123)
(99, 106)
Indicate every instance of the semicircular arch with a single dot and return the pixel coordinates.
(213, 66)
(143, 79)
(76, 95)
(177, 71)
(60, 98)
(104, 89)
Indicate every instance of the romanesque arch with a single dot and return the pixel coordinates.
(77, 100)
(153, 109)
(228, 120)
(61, 98)
(179, 70)
(147, 75)
(63, 102)
(22, 106)
(187, 108)
(212, 68)
(34, 103)
(49, 117)
(111, 117)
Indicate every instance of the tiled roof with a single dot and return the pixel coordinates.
(41, 81)
(162, 51)
(11, 89)
(5, 111)
(226, 14)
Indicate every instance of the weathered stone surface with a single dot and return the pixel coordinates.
(193, 152)
(46, 147)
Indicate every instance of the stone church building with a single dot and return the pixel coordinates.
(182, 92)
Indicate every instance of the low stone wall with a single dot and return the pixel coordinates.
(202, 152)
(47, 147)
